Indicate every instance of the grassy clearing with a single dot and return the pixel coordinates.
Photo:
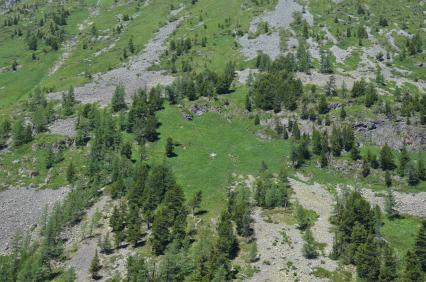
(279, 215)
(401, 233)
(238, 151)
(334, 276)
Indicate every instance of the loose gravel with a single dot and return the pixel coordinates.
(64, 127)
(280, 260)
(267, 43)
(279, 18)
(135, 75)
(316, 198)
(21, 210)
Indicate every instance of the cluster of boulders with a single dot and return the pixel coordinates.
(396, 134)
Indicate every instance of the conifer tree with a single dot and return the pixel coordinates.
(117, 223)
(367, 261)
(133, 231)
(160, 236)
(226, 79)
(326, 65)
(420, 246)
(330, 87)
(170, 148)
(421, 169)
(389, 267)
(336, 141)
(131, 46)
(323, 105)
(196, 202)
(303, 58)
(138, 270)
(95, 266)
(296, 131)
(388, 179)
(413, 176)
(404, 159)
(370, 95)
(71, 173)
(226, 243)
(126, 150)
(316, 142)
(365, 168)
(106, 244)
(256, 120)
(357, 238)
(309, 247)
(50, 158)
(386, 158)
(413, 269)
(302, 218)
(390, 203)
(174, 202)
(21, 134)
(118, 102)
(68, 102)
(342, 113)
(249, 105)
(359, 88)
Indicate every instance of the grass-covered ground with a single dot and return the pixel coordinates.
(105, 15)
(26, 164)
(401, 233)
(16, 85)
(141, 28)
(213, 148)
(349, 15)
(219, 22)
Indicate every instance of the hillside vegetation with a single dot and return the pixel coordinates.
(201, 140)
